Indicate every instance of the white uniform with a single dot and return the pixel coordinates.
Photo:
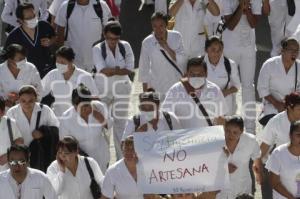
(115, 90)
(296, 35)
(28, 75)
(240, 180)
(211, 22)
(5, 139)
(83, 18)
(118, 181)
(154, 68)
(240, 46)
(9, 11)
(189, 115)
(48, 118)
(35, 186)
(76, 187)
(61, 89)
(161, 125)
(218, 75)
(273, 80)
(161, 6)
(283, 163)
(189, 21)
(91, 136)
(54, 7)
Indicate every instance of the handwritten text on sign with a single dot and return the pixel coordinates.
(181, 161)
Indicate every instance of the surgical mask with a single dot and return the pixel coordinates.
(197, 82)
(62, 67)
(32, 23)
(149, 115)
(21, 64)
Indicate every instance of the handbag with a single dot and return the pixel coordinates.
(94, 186)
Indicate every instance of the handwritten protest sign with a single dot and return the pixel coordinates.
(181, 161)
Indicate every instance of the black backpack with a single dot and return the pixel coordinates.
(228, 70)
(121, 49)
(137, 121)
(70, 8)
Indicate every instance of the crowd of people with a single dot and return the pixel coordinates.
(66, 79)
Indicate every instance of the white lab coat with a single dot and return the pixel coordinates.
(118, 181)
(83, 18)
(161, 125)
(48, 118)
(61, 89)
(91, 136)
(240, 180)
(283, 163)
(5, 139)
(35, 186)
(28, 75)
(154, 68)
(273, 80)
(68, 186)
(189, 21)
(188, 113)
(218, 75)
(9, 11)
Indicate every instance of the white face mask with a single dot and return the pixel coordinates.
(149, 115)
(21, 64)
(197, 82)
(62, 67)
(32, 23)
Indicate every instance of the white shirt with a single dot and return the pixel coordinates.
(61, 89)
(9, 11)
(35, 186)
(283, 163)
(83, 18)
(28, 75)
(162, 124)
(48, 118)
(5, 139)
(277, 130)
(91, 136)
(240, 180)
(242, 35)
(68, 186)
(154, 68)
(189, 115)
(54, 7)
(118, 182)
(273, 80)
(296, 35)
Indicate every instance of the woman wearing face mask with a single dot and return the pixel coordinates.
(183, 98)
(60, 82)
(150, 119)
(37, 37)
(16, 72)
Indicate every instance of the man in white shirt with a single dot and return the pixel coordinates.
(82, 28)
(182, 96)
(9, 134)
(241, 18)
(21, 182)
(162, 56)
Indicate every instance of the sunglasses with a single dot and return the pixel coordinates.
(17, 162)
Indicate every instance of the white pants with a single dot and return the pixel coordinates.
(245, 58)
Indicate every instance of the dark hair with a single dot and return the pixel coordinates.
(294, 126)
(11, 51)
(285, 42)
(197, 61)
(128, 141)
(235, 120)
(66, 52)
(161, 16)
(20, 9)
(2, 103)
(292, 99)
(19, 148)
(212, 39)
(113, 26)
(149, 95)
(27, 89)
(81, 94)
(69, 142)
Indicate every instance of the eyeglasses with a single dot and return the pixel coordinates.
(17, 162)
